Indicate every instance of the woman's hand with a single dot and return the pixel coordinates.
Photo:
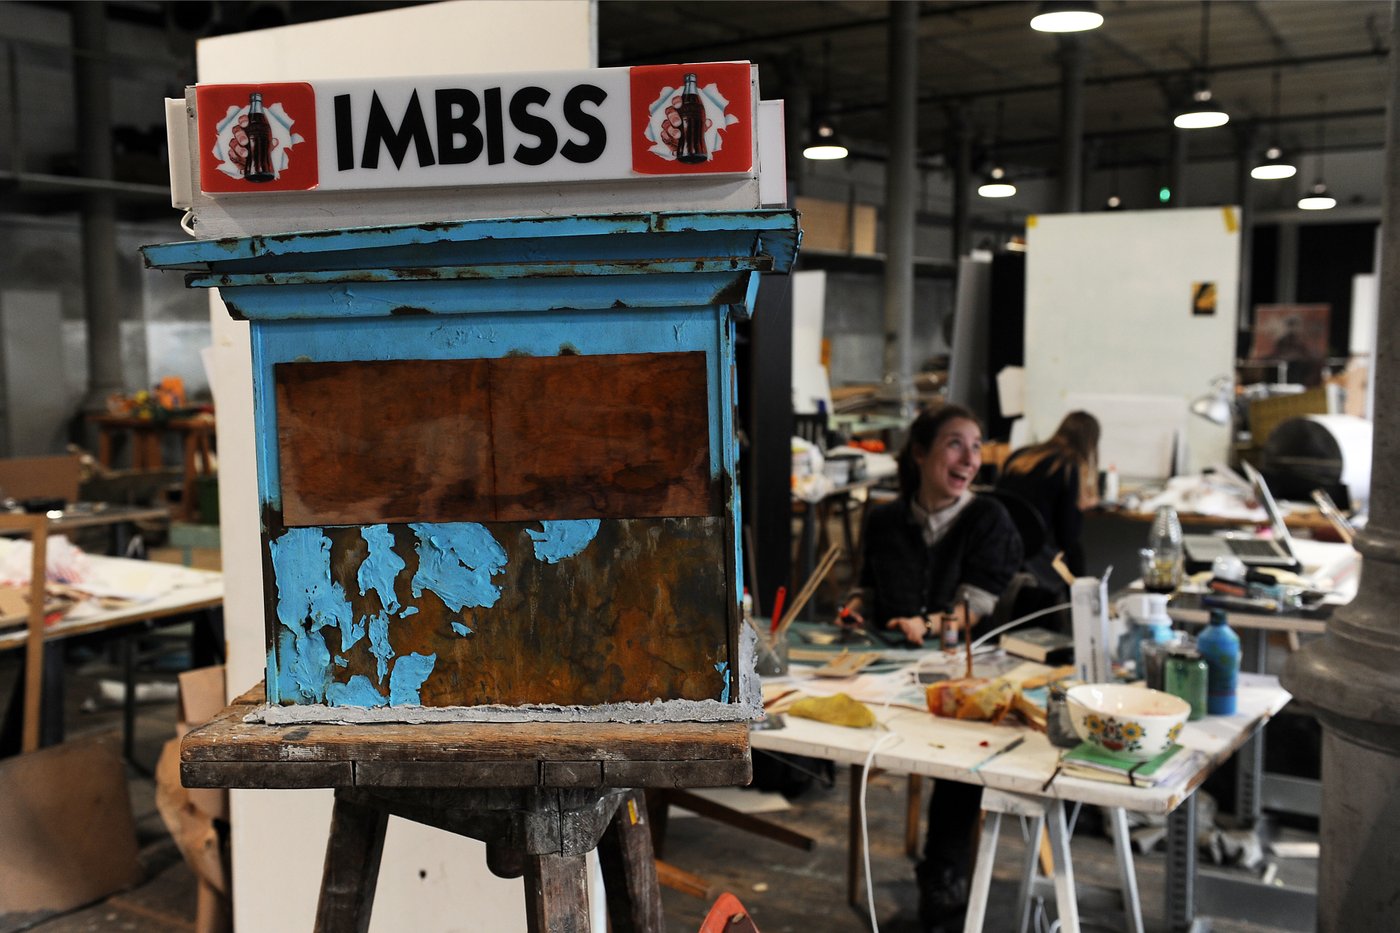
(849, 616)
(914, 628)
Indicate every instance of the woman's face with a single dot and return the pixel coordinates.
(947, 467)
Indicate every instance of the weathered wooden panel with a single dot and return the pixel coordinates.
(231, 752)
(513, 439)
(513, 613)
(396, 440)
(619, 436)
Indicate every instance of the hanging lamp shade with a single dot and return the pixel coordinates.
(825, 144)
(1204, 112)
(1066, 16)
(1274, 166)
(1317, 198)
(996, 185)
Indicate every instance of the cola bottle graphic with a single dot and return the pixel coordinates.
(690, 147)
(258, 166)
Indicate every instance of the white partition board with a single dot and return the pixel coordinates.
(430, 880)
(1110, 312)
(810, 384)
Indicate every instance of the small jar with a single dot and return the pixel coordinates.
(1185, 676)
(1059, 725)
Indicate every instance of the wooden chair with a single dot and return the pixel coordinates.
(37, 527)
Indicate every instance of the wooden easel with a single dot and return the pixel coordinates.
(540, 795)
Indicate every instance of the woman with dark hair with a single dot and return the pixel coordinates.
(1060, 478)
(936, 559)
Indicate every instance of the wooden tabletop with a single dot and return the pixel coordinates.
(228, 752)
(203, 589)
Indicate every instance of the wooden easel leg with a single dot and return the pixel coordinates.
(556, 894)
(629, 870)
(352, 865)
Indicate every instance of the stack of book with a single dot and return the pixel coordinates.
(1090, 761)
(1039, 644)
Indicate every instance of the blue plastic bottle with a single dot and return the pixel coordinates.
(1220, 647)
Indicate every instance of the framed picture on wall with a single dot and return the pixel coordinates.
(1296, 334)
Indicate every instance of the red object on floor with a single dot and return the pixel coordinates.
(728, 916)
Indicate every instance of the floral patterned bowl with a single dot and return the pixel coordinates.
(1129, 722)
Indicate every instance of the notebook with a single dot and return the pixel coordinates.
(1202, 550)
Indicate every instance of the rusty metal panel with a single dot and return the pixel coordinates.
(513, 439)
(510, 613)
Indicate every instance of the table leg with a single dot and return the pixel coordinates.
(629, 870)
(1181, 866)
(352, 865)
(1028, 874)
(913, 814)
(855, 848)
(128, 648)
(1127, 876)
(982, 874)
(808, 547)
(556, 893)
(1065, 903)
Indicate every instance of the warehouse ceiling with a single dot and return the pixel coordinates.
(981, 62)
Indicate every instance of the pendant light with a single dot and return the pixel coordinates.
(1317, 198)
(824, 144)
(1067, 16)
(1274, 166)
(997, 184)
(1204, 111)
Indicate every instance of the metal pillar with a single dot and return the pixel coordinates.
(1286, 264)
(1244, 197)
(1177, 173)
(1071, 189)
(1351, 677)
(900, 188)
(962, 186)
(101, 298)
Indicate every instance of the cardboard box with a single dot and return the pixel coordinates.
(833, 227)
(67, 836)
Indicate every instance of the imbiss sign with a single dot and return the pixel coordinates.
(604, 124)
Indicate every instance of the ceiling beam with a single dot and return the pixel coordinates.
(1127, 77)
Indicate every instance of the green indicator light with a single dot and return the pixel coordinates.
(1164, 194)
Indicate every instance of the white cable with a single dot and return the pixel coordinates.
(1014, 622)
(865, 827)
(186, 223)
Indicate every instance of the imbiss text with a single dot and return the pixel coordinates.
(468, 125)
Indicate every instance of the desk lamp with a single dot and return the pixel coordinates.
(1216, 406)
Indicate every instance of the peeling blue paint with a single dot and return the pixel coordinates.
(301, 560)
(357, 692)
(446, 550)
(408, 611)
(307, 601)
(562, 539)
(273, 686)
(305, 666)
(723, 668)
(351, 633)
(379, 642)
(409, 673)
(461, 629)
(341, 662)
(379, 569)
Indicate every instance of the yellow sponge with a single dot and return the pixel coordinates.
(839, 710)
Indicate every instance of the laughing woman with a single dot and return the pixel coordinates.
(934, 559)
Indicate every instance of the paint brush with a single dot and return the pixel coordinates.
(778, 599)
(810, 588)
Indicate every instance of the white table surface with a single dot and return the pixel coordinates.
(968, 751)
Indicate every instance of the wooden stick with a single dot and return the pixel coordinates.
(967, 634)
(808, 589)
